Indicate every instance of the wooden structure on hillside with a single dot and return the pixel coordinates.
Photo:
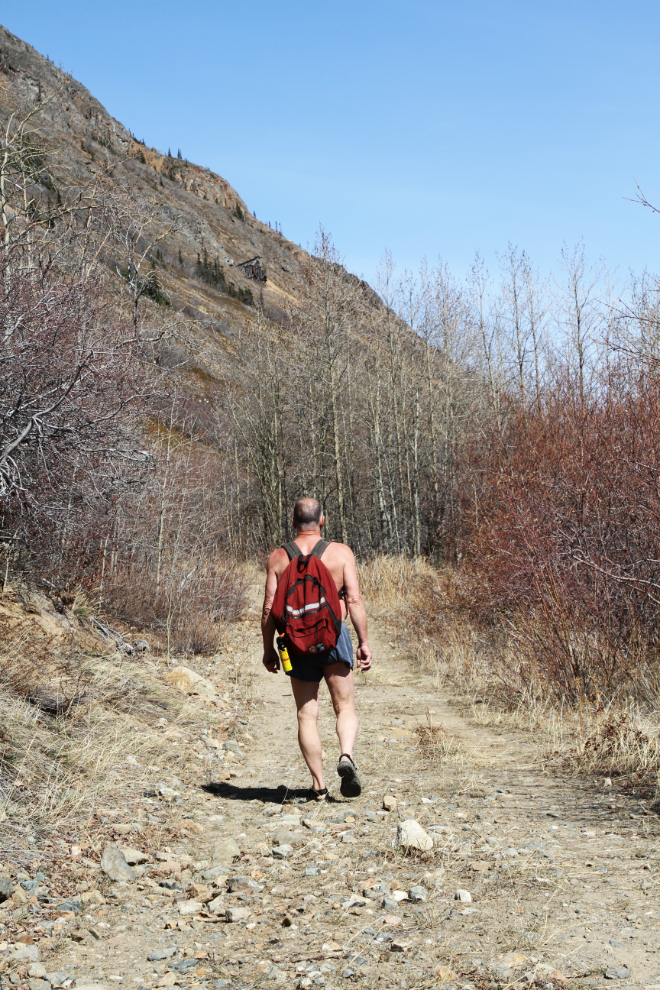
(253, 268)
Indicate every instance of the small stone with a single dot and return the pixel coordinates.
(347, 973)
(217, 905)
(38, 984)
(190, 907)
(288, 839)
(71, 905)
(94, 897)
(184, 965)
(411, 835)
(617, 973)
(231, 746)
(57, 979)
(389, 802)
(188, 682)
(283, 851)
(168, 980)
(133, 856)
(114, 865)
(237, 914)
(244, 883)
(464, 896)
(353, 901)
(6, 888)
(159, 954)
(389, 904)
(24, 953)
(311, 870)
(225, 851)
(418, 893)
(141, 645)
(275, 974)
(37, 970)
(445, 973)
(392, 920)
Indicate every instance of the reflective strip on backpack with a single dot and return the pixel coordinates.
(307, 608)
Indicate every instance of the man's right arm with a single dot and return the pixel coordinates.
(271, 659)
(357, 611)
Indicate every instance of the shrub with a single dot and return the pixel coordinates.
(189, 604)
(568, 545)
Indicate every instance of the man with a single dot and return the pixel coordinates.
(335, 665)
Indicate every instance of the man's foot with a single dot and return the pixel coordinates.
(350, 782)
(321, 795)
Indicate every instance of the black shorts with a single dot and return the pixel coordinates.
(309, 666)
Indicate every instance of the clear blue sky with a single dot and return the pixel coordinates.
(429, 128)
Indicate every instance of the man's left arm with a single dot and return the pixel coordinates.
(357, 611)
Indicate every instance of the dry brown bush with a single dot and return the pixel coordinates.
(188, 611)
(429, 611)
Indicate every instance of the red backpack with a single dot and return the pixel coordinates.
(306, 607)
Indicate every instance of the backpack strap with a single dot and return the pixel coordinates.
(292, 549)
(320, 548)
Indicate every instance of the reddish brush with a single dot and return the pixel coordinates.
(568, 539)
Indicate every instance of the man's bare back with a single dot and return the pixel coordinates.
(337, 557)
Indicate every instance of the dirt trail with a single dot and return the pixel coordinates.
(562, 876)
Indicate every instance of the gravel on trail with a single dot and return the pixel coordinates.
(462, 864)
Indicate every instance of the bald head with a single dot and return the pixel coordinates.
(307, 514)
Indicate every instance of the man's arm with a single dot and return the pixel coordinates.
(357, 611)
(271, 659)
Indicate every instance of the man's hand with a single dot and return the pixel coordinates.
(363, 655)
(271, 660)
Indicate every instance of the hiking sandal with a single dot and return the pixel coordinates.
(321, 795)
(350, 782)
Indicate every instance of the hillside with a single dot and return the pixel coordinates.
(203, 215)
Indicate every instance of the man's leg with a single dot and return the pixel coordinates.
(306, 694)
(339, 679)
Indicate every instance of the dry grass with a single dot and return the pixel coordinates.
(79, 727)
(187, 609)
(484, 670)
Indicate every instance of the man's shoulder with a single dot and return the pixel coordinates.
(341, 550)
(277, 558)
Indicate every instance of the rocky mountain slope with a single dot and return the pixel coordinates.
(208, 229)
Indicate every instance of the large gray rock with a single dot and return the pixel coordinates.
(225, 851)
(411, 835)
(114, 865)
